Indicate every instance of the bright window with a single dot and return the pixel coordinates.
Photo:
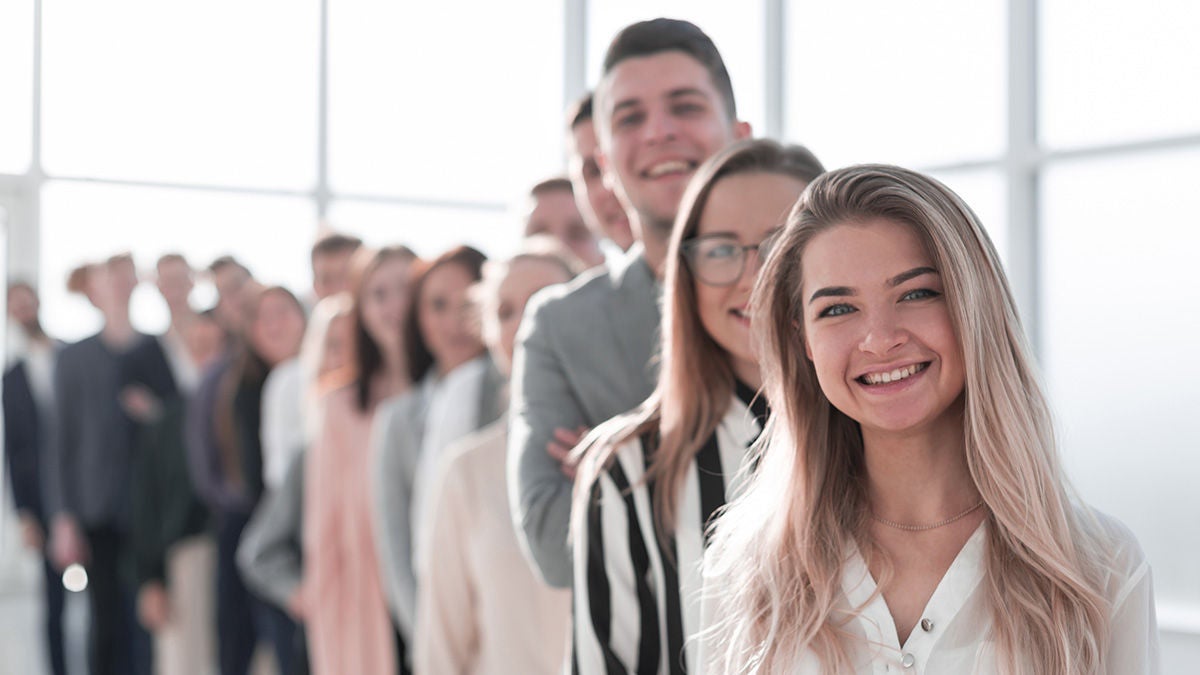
(16, 84)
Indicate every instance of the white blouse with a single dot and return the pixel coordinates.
(954, 634)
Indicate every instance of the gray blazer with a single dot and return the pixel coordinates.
(395, 450)
(269, 555)
(584, 354)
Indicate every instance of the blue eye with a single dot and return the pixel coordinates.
(836, 310)
(920, 294)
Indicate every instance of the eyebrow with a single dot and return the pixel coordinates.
(842, 291)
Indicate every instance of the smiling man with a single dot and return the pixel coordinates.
(664, 105)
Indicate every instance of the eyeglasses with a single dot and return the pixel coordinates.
(719, 260)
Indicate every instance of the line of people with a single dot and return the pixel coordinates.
(794, 427)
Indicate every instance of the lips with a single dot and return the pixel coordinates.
(670, 167)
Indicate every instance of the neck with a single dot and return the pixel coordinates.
(445, 368)
(748, 374)
(653, 243)
(395, 367)
(920, 477)
(118, 330)
(179, 319)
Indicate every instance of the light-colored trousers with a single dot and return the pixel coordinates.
(187, 644)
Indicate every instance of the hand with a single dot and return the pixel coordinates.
(154, 609)
(561, 445)
(67, 545)
(140, 404)
(32, 535)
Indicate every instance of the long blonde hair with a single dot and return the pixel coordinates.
(775, 563)
(696, 380)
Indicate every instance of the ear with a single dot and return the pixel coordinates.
(742, 131)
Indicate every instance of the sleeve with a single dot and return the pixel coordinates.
(147, 503)
(447, 630)
(20, 451)
(269, 555)
(608, 613)
(540, 493)
(1133, 636)
(391, 494)
(323, 507)
(62, 443)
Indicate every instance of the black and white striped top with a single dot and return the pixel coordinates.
(634, 609)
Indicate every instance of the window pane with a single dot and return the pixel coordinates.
(220, 92)
(1120, 316)
(427, 230)
(85, 222)
(984, 191)
(736, 28)
(16, 83)
(912, 83)
(1114, 70)
(428, 103)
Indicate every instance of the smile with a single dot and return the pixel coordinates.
(674, 166)
(892, 376)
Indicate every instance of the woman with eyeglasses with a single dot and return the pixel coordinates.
(650, 481)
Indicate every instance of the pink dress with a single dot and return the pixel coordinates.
(347, 621)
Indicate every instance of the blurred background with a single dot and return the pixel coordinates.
(239, 126)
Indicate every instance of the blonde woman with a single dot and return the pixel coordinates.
(480, 607)
(650, 481)
(908, 511)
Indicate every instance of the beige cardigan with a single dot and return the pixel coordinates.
(480, 608)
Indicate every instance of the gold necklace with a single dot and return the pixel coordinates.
(922, 528)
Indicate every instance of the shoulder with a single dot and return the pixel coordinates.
(1124, 562)
(591, 289)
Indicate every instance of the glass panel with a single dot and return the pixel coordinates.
(221, 92)
(984, 191)
(736, 28)
(1114, 70)
(16, 85)
(435, 101)
(85, 222)
(860, 89)
(1120, 316)
(427, 230)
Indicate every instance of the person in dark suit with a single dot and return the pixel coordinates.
(28, 398)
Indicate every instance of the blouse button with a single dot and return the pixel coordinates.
(926, 625)
(908, 660)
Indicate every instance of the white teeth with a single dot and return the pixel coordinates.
(672, 166)
(894, 376)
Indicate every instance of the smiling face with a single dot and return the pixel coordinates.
(878, 329)
(554, 213)
(744, 208)
(174, 283)
(597, 203)
(384, 301)
(443, 313)
(663, 118)
(278, 327)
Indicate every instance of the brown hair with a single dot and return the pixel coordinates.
(366, 357)
(420, 359)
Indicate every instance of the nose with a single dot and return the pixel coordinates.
(660, 127)
(884, 333)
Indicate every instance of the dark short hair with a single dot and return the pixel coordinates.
(225, 261)
(335, 242)
(167, 258)
(580, 111)
(555, 184)
(647, 38)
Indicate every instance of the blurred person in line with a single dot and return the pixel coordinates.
(89, 460)
(663, 106)
(601, 209)
(909, 511)
(28, 403)
(270, 554)
(225, 462)
(330, 259)
(653, 479)
(175, 555)
(480, 608)
(456, 390)
(342, 599)
(551, 210)
(236, 289)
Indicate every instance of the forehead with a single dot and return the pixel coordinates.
(645, 79)
(448, 276)
(554, 200)
(749, 203)
(863, 254)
